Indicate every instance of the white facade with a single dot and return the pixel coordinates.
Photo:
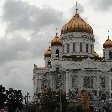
(79, 68)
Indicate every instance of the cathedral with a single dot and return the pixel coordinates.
(72, 64)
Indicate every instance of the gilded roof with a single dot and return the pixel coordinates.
(107, 44)
(48, 52)
(76, 24)
(56, 41)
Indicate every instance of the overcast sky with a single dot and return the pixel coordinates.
(27, 27)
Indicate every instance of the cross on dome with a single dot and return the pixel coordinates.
(108, 34)
(56, 32)
(76, 7)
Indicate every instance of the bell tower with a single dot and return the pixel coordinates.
(107, 51)
(56, 46)
(47, 57)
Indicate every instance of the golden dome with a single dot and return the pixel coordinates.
(107, 44)
(48, 52)
(95, 55)
(56, 41)
(76, 24)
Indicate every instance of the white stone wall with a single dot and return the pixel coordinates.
(53, 52)
(106, 53)
(86, 67)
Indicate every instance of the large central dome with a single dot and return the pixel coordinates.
(76, 24)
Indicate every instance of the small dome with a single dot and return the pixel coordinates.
(56, 41)
(76, 24)
(95, 55)
(107, 44)
(48, 52)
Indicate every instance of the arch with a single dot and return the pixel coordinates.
(57, 53)
(110, 54)
(68, 48)
(49, 62)
(87, 48)
(80, 47)
(91, 48)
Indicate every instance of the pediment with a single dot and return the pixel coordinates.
(88, 64)
(74, 65)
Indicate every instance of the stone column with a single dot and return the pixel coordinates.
(70, 81)
(98, 83)
(81, 75)
(67, 82)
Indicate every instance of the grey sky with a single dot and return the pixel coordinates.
(103, 5)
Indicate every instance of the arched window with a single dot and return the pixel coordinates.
(57, 53)
(110, 55)
(49, 62)
(87, 48)
(74, 47)
(80, 47)
(68, 48)
(91, 48)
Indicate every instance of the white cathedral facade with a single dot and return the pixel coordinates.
(72, 61)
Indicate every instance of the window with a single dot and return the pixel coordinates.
(111, 84)
(87, 48)
(73, 47)
(68, 48)
(57, 53)
(88, 82)
(49, 62)
(110, 55)
(80, 47)
(103, 82)
(91, 48)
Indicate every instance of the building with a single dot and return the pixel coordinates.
(71, 58)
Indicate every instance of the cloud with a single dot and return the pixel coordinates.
(28, 32)
(19, 15)
(102, 4)
(98, 45)
(16, 62)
